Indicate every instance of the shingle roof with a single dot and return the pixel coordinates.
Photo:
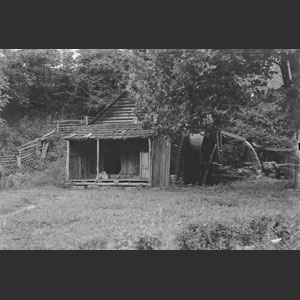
(110, 131)
(117, 121)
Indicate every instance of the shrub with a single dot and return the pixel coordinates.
(52, 174)
(35, 172)
(148, 243)
(233, 235)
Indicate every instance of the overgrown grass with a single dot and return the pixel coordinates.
(36, 173)
(50, 174)
(143, 218)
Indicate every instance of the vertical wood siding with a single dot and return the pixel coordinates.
(161, 162)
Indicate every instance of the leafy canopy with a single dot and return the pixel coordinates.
(192, 89)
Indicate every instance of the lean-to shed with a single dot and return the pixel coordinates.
(114, 149)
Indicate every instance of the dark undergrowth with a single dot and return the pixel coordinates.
(260, 233)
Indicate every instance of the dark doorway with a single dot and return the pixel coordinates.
(112, 157)
(192, 163)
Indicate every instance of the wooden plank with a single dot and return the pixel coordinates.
(144, 165)
(150, 160)
(19, 160)
(29, 143)
(162, 162)
(8, 159)
(109, 180)
(98, 160)
(168, 162)
(114, 184)
(69, 121)
(68, 161)
(117, 121)
(209, 162)
(44, 151)
(28, 155)
(28, 147)
(218, 146)
(235, 136)
(119, 118)
(221, 148)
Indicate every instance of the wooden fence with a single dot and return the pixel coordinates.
(8, 161)
(34, 148)
(38, 147)
(70, 125)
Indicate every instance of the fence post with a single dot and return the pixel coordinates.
(86, 120)
(57, 126)
(19, 159)
(37, 152)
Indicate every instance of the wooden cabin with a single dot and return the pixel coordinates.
(114, 149)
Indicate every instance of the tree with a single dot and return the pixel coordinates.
(4, 97)
(193, 89)
(41, 82)
(289, 63)
(101, 76)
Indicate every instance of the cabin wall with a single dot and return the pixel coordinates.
(130, 163)
(82, 159)
(178, 149)
(161, 157)
(121, 112)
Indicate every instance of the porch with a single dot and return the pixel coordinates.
(108, 162)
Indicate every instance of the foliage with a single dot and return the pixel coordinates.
(55, 82)
(148, 243)
(101, 76)
(22, 131)
(4, 86)
(289, 62)
(31, 75)
(36, 172)
(191, 89)
(86, 219)
(263, 122)
(234, 235)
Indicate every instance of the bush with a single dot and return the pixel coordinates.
(36, 172)
(51, 174)
(233, 235)
(148, 243)
(93, 244)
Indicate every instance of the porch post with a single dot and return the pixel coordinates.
(68, 161)
(98, 160)
(150, 161)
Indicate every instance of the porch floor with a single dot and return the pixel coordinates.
(109, 182)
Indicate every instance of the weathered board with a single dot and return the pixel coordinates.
(161, 162)
(144, 165)
(82, 162)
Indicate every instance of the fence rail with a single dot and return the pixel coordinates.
(8, 161)
(38, 147)
(70, 125)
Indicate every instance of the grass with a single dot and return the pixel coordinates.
(117, 218)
